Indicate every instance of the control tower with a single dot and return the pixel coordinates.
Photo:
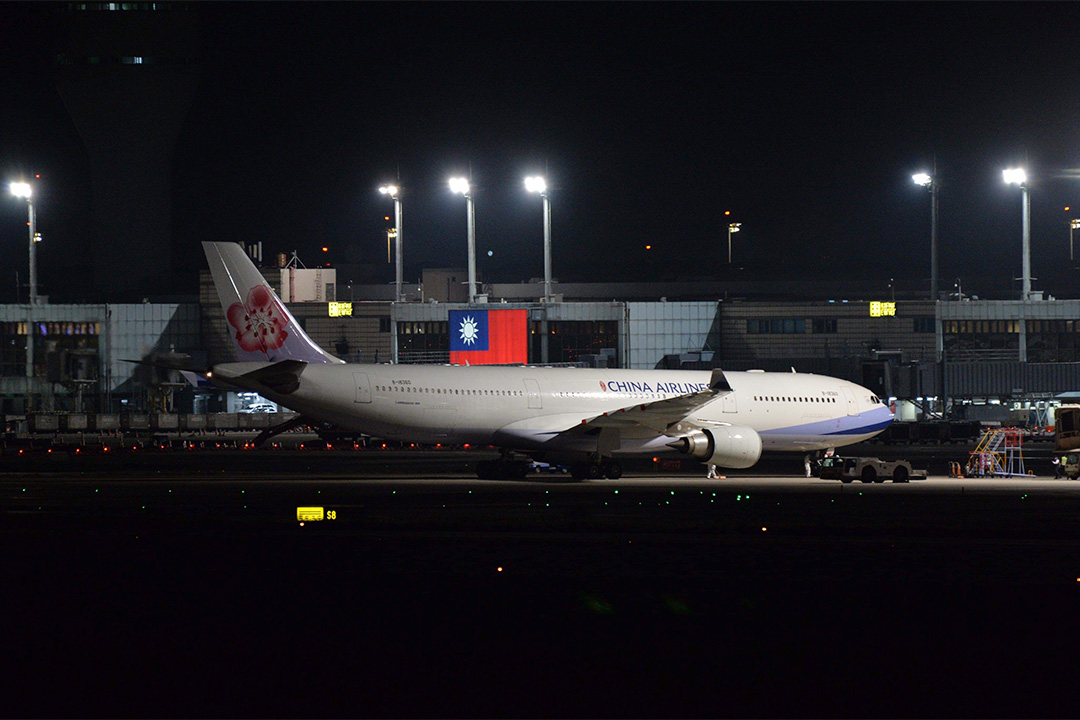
(127, 72)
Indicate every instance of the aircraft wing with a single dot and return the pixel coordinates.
(657, 416)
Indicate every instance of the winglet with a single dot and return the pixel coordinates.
(717, 382)
(261, 326)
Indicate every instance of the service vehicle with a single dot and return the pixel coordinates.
(867, 469)
(1067, 439)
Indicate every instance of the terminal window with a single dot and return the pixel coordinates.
(923, 324)
(775, 326)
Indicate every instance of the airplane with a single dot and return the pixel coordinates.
(587, 419)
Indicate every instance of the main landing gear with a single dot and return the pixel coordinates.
(592, 470)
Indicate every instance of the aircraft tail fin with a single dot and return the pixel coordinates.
(261, 326)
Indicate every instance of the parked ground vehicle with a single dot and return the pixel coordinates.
(867, 469)
(1067, 439)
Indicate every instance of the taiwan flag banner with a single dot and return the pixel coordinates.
(489, 337)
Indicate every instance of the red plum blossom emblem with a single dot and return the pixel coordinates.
(260, 322)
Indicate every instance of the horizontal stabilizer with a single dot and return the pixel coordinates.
(170, 361)
(281, 377)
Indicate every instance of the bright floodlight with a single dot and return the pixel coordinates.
(20, 189)
(459, 185)
(390, 190)
(535, 185)
(1015, 176)
(922, 179)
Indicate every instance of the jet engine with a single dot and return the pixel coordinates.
(733, 446)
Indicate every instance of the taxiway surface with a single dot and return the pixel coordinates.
(188, 586)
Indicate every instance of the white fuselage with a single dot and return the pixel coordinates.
(529, 408)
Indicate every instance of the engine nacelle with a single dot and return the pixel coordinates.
(733, 446)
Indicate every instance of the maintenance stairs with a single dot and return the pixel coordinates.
(998, 454)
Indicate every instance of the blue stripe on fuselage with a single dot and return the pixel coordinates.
(861, 429)
(868, 422)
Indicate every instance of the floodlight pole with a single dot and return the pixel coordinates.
(930, 182)
(934, 239)
(1017, 176)
(1027, 241)
(24, 190)
(537, 184)
(731, 228)
(398, 266)
(472, 247)
(547, 247)
(395, 193)
(30, 308)
(461, 185)
(33, 251)
(1073, 225)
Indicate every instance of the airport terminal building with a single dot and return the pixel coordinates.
(935, 354)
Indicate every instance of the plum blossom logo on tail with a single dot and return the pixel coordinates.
(260, 322)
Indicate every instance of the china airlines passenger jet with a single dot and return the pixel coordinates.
(586, 418)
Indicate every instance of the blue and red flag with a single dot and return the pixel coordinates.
(489, 337)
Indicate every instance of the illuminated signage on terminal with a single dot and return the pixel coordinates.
(881, 309)
(339, 309)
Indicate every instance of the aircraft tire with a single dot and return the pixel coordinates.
(578, 471)
(613, 471)
(594, 471)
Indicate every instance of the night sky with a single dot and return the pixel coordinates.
(651, 120)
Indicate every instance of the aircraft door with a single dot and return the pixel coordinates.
(728, 403)
(532, 391)
(852, 406)
(363, 388)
